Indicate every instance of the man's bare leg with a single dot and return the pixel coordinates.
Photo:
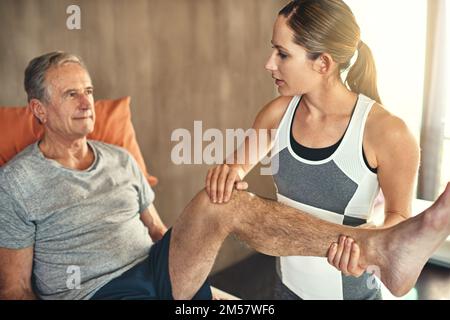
(411, 243)
(267, 226)
(275, 229)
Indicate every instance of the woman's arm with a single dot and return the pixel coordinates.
(397, 155)
(394, 151)
(221, 179)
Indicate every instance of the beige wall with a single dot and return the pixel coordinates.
(179, 60)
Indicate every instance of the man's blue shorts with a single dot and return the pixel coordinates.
(147, 280)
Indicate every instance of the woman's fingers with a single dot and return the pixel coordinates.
(340, 249)
(353, 265)
(214, 177)
(229, 185)
(332, 252)
(221, 182)
(343, 263)
(345, 256)
(208, 183)
(241, 185)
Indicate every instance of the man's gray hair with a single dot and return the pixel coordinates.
(35, 72)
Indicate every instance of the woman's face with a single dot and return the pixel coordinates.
(289, 65)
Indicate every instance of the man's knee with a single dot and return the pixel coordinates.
(201, 201)
(229, 212)
(240, 199)
(202, 206)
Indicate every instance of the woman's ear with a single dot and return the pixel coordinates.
(324, 63)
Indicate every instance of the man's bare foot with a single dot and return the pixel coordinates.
(407, 246)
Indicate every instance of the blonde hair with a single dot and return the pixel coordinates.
(330, 26)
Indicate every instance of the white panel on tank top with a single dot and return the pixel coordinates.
(329, 284)
(360, 206)
(284, 126)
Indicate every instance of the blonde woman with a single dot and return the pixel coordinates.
(336, 144)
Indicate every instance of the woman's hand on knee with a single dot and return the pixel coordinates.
(221, 180)
(345, 256)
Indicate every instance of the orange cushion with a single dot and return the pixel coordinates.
(19, 128)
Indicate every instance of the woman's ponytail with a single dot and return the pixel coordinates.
(362, 76)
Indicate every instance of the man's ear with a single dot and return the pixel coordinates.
(38, 109)
(324, 63)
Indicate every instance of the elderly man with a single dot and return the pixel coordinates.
(77, 220)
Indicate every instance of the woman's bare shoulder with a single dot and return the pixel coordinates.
(270, 115)
(385, 128)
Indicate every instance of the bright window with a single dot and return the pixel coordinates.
(395, 31)
(445, 165)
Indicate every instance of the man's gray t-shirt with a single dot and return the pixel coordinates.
(84, 225)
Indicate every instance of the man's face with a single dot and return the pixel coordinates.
(70, 111)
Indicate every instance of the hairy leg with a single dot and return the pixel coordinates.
(275, 229)
(265, 225)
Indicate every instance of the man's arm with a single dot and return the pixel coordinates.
(15, 274)
(150, 218)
